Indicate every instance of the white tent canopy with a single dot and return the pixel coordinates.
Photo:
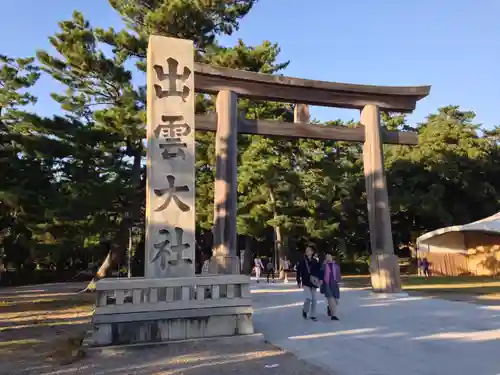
(453, 238)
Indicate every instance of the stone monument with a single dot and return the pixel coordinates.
(171, 302)
(170, 191)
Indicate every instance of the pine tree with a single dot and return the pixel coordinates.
(102, 95)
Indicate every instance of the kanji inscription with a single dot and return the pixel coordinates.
(172, 78)
(170, 250)
(170, 193)
(170, 134)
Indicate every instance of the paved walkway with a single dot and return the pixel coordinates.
(383, 336)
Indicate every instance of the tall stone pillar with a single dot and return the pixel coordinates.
(225, 257)
(384, 263)
(170, 192)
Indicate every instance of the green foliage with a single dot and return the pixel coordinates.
(449, 179)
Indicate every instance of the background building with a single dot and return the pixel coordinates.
(471, 249)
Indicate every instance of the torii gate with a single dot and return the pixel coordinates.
(228, 84)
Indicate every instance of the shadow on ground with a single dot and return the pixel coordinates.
(40, 324)
(378, 335)
(226, 356)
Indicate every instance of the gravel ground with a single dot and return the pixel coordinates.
(249, 355)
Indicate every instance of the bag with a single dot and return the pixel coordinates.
(314, 280)
(322, 288)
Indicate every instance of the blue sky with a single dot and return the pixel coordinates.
(452, 45)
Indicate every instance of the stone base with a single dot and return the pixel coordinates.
(385, 277)
(161, 330)
(142, 310)
(222, 264)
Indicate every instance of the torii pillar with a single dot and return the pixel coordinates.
(384, 264)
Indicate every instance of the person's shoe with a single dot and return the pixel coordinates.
(304, 314)
(334, 318)
(313, 318)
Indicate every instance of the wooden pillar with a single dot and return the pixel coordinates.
(225, 258)
(301, 114)
(384, 264)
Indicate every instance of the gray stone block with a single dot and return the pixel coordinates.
(195, 327)
(164, 330)
(102, 335)
(221, 326)
(177, 329)
(244, 324)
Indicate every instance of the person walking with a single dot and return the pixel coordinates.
(205, 267)
(269, 270)
(330, 286)
(308, 276)
(258, 267)
(425, 267)
(286, 269)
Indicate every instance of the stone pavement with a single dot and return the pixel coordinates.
(382, 336)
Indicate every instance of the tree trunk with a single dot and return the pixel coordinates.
(278, 255)
(279, 250)
(247, 257)
(109, 262)
(119, 246)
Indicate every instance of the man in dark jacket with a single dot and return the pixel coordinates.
(308, 276)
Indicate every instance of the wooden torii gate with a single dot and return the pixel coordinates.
(228, 84)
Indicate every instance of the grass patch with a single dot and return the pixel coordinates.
(16, 343)
(479, 289)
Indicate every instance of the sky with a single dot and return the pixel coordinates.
(452, 45)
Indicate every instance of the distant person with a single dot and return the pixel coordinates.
(425, 267)
(269, 270)
(205, 271)
(205, 267)
(419, 267)
(308, 276)
(330, 287)
(286, 269)
(258, 267)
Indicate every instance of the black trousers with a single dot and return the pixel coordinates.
(270, 274)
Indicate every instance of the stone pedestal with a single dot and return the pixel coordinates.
(141, 310)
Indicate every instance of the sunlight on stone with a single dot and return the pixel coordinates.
(337, 333)
(464, 336)
(260, 291)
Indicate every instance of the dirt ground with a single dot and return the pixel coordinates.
(226, 356)
(42, 323)
(41, 328)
